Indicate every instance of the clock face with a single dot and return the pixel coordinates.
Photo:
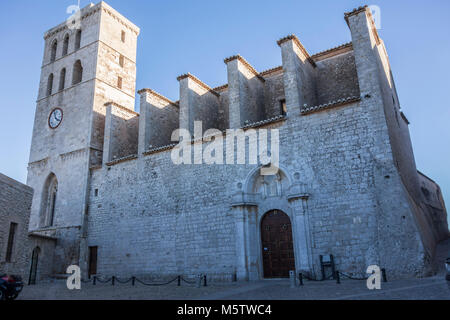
(55, 118)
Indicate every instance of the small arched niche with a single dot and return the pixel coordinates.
(49, 196)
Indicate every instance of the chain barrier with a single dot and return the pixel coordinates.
(351, 277)
(157, 284)
(314, 279)
(103, 281)
(124, 281)
(337, 277)
(188, 282)
(133, 280)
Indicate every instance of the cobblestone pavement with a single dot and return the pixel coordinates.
(421, 289)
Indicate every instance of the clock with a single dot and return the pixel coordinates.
(55, 118)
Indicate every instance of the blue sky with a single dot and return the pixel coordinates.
(195, 36)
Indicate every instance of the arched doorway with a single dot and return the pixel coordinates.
(277, 245)
(34, 265)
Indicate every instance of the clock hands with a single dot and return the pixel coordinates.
(55, 118)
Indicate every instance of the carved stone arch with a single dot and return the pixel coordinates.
(251, 203)
(48, 203)
(255, 174)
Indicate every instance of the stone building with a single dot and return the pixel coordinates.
(106, 187)
(19, 252)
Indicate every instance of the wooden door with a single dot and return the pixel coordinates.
(92, 261)
(277, 246)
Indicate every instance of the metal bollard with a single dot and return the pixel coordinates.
(383, 274)
(292, 278)
(179, 281)
(133, 279)
(234, 277)
(300, 279)
(199, 280)
(94, 282)
(113, 280)
(338, 278)
(204, 281)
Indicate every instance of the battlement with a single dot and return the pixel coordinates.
(303, 84)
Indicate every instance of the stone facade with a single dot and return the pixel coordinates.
(347, 177)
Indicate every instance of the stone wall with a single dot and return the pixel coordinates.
(121, 133)
(15, 205)
(337, 78)
(273, 93)
(159, 117)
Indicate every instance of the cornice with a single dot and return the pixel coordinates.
(355, 11)
(63, 26)
(199, 82)
(111, 103)
(121, 20)
(158, 95)
(346, 47)
(221, 88)
(294, 38)
(123, 159)
(90, 11)
(270, 71)
(332, 104)
(245, 63)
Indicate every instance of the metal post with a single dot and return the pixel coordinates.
(292, 278)
(300, 279)
(234, 277)
(94, 282)
(383, 273)
(133, 279)
(113, 280)
(204, 281)
(179, 281)
(338, 278)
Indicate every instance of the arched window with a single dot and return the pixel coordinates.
(50, 84)
(66, 45)
(62, 79)
(53, 51)
(77, 75)
(78, 40)
(49, 196)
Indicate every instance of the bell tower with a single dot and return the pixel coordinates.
(83, 68)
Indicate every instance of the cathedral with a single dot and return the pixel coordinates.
(110, 197)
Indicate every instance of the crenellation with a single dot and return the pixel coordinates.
(198, 102)
(121, 133)
(245, 93)
(159, 117)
